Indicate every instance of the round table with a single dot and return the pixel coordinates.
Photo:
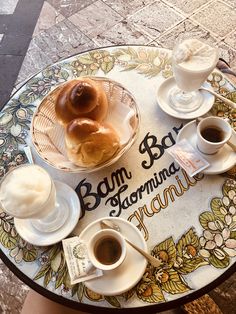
(189, 223)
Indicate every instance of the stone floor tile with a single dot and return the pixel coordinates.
(155, 19)
(155, 43)
(14, 45)
(208, 18)
(8, 6)
(4, 98)
(186, 29)
(10, 66)
(4, 23)
(35, 60)
(48, 17)
(69, 7)
(187, 6)
(125, 8)
(121, 33)
(14, 292)
(231, 39)
(24, 18)
(91, 20)
(62, 40)
(59, 41)
(232, 3)
(228, 53)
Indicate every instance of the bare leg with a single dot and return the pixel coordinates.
(37, 304)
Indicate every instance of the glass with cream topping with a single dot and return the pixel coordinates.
(192, 62)
(28, 192)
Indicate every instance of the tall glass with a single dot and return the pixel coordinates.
(28, 192)
(192, 62)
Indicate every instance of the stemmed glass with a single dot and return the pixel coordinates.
(192, 62)
(28, 192)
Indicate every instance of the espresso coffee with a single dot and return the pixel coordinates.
(107, 250)
(213, 134)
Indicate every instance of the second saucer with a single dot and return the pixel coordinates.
(164, 101)
(220, 162)
(127, 275)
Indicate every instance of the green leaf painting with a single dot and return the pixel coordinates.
(214, 245)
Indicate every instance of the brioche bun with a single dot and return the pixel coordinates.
(89, 142)
(81, 97)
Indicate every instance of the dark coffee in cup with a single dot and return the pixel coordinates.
(213, 134)
(107, 250)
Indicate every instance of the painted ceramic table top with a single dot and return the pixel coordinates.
(189, 223)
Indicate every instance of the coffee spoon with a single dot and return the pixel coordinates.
(232, 146)
(28, 154)
(152, 260)
(224, 99)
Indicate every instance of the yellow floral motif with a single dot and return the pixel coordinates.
(215, 246)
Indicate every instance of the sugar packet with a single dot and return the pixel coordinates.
(188, 157)
(79, 266)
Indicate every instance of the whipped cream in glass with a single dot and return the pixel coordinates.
(192, 61)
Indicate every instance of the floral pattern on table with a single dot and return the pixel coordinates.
(215, 246)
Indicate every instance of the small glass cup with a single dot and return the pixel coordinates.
(33, 198)
(192, 62)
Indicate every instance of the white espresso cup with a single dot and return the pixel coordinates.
(212, 134)
(107, 249)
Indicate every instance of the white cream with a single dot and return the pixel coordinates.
(193, 61)
(193, 54)
(25, 190)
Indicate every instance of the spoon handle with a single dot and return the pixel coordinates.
(233, 146)
(29, 155)
(154, 261)
(225, 100)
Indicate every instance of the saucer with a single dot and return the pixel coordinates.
(164, 102)
(36, 237)
(220, 162)
(128, 274)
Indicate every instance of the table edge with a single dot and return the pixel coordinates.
(87, 307)
(94, 309)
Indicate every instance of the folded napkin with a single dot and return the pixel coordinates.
(57, 153)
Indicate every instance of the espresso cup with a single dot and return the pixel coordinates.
(212, 134)
(107, 249)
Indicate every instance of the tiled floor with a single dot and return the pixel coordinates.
(55, 29)
(16, 29)
(66, 27)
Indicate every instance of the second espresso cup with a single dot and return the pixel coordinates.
(212, 134)
(107, 249)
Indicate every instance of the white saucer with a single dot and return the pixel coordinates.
(164, 102)
(128, 274)
(221, 162)
(35, 237)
